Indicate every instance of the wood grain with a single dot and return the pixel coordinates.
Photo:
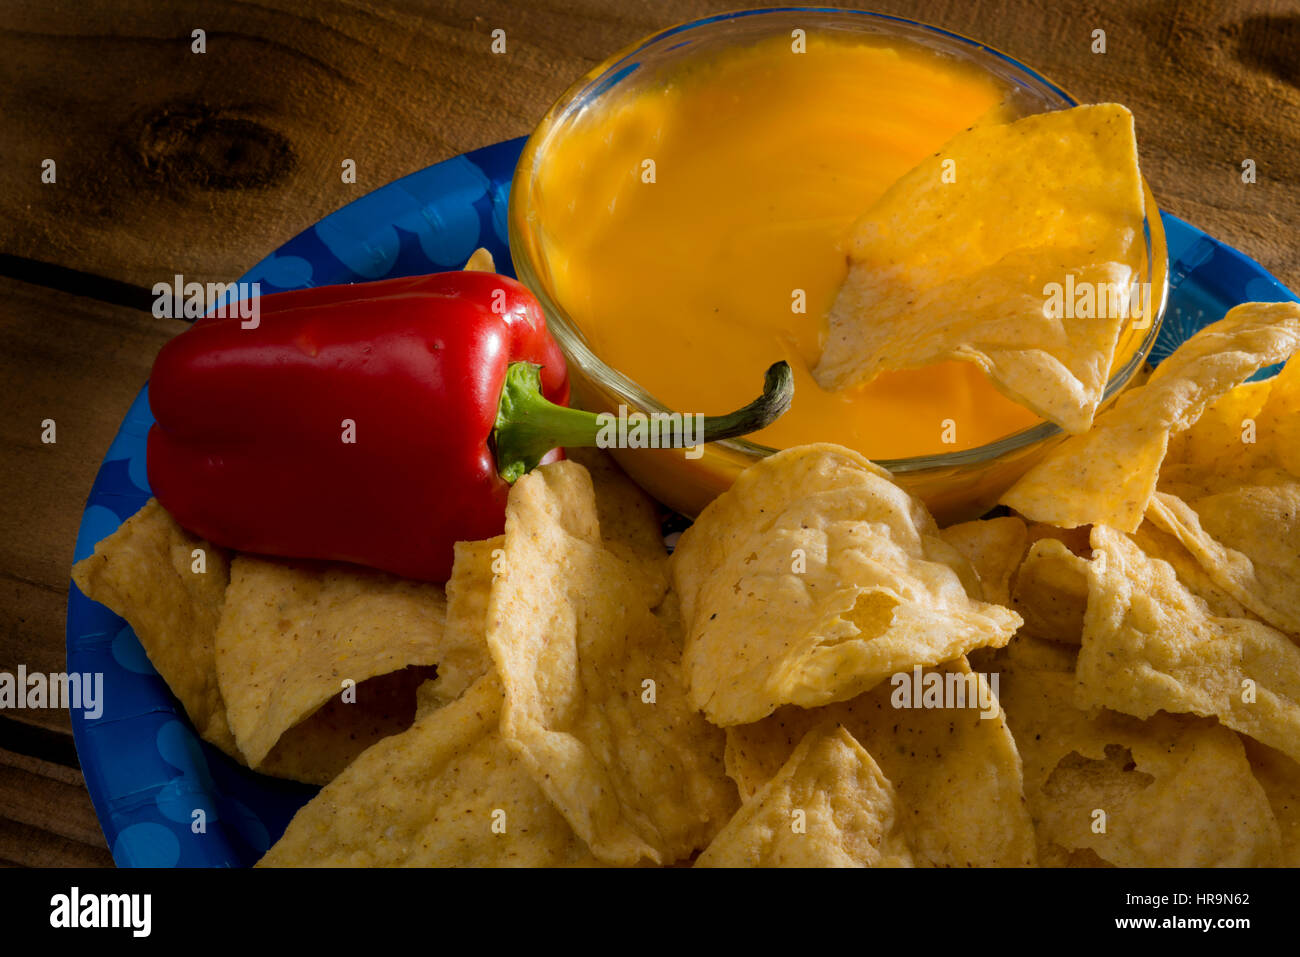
(80, 362)
(46, 819)
(171, 161)
(202, 163)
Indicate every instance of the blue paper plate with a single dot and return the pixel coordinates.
(146, 769)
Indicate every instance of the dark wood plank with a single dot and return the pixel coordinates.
(172, 161)
(79, 362)
(46, 819)
(24, 846)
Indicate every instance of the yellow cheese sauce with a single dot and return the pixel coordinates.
(696, 231)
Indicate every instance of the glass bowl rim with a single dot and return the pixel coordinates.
(567, 332)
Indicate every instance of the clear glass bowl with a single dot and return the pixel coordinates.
(955, 485)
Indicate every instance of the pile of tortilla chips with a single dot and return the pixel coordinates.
(532, 712)
(1152, 684)
(818, 676)
(1107, 674)
(292, 669)
(1157, 677)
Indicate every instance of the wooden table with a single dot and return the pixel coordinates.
(169, 161)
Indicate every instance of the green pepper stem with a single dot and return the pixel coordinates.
(528, 425)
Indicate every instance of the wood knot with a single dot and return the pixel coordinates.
(1269, 42)
(194, 145)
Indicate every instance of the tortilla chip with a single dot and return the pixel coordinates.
(331, 738)
(1247, 541)
(1175, 791)
(1214, 442)
(812, 579)
(143, 572)
(994, 548)
(955, 772)
(628, 517)
(1149, 644)
(596, 707)
(943, 268)
(1229, 494)
(1108, 475)
(1159, 544)
(1277, 425)
(1051, 592)
(464, 657)
(1075, 539)
(1053, 855)
(1279, 776)
(290, 635)
(480, 261)
(1026, 652)
(828, 806)
(448, 792)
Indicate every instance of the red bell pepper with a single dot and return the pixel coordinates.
(376, 423)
